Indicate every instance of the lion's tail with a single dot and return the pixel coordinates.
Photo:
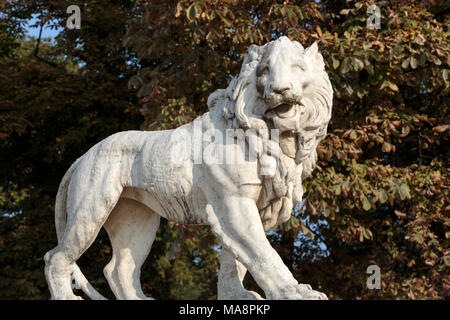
(60, 222)
(82, 283)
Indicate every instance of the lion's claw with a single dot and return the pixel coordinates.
(303, 287)
(305, 292)
(313, 295)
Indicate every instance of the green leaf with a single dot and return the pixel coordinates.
(143, 91)
(336, 62)
(367, 234)
(337, 190)
(357, 64)
(405, 131)
(418, 238)
(387, 83)
(404, 191)
(294, 223)
(414, 63)
(447, 261)
(405, 63)
(345, 66)
(437, 61)
(192, 12)
(445, 75)
(366, 203)
(299, 12)
(386, 147)
(441, 128)
(306, 231)
(383, 196)
(228, 23)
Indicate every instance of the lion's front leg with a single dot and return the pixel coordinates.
(231, 275)
(235, 220)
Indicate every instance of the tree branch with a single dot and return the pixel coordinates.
(36, 49)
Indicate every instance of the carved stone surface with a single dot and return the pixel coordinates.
(238, 168)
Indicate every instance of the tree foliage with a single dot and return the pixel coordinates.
(379, 194)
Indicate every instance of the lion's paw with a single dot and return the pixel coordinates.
(303, 287)
(313, 295)
(250, 295)
(240, 295)
(68, 296)
(305, 292)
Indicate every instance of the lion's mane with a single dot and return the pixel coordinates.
(240, 105)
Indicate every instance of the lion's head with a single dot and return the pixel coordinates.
(281, 86)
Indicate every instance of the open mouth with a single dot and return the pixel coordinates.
(283, 111)
(286, 118)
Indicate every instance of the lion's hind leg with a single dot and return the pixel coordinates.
(58, 274)
(89, 203)
(132, 228)
(80, 233)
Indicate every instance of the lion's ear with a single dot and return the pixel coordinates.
(299, 46)
(315, 58)
(253, 53)
(311, 51)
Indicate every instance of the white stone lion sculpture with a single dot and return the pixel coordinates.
(275, 111)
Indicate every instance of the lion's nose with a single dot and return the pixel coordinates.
(280, 89)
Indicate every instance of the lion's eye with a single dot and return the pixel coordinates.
(306, 84)
(298, 67)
